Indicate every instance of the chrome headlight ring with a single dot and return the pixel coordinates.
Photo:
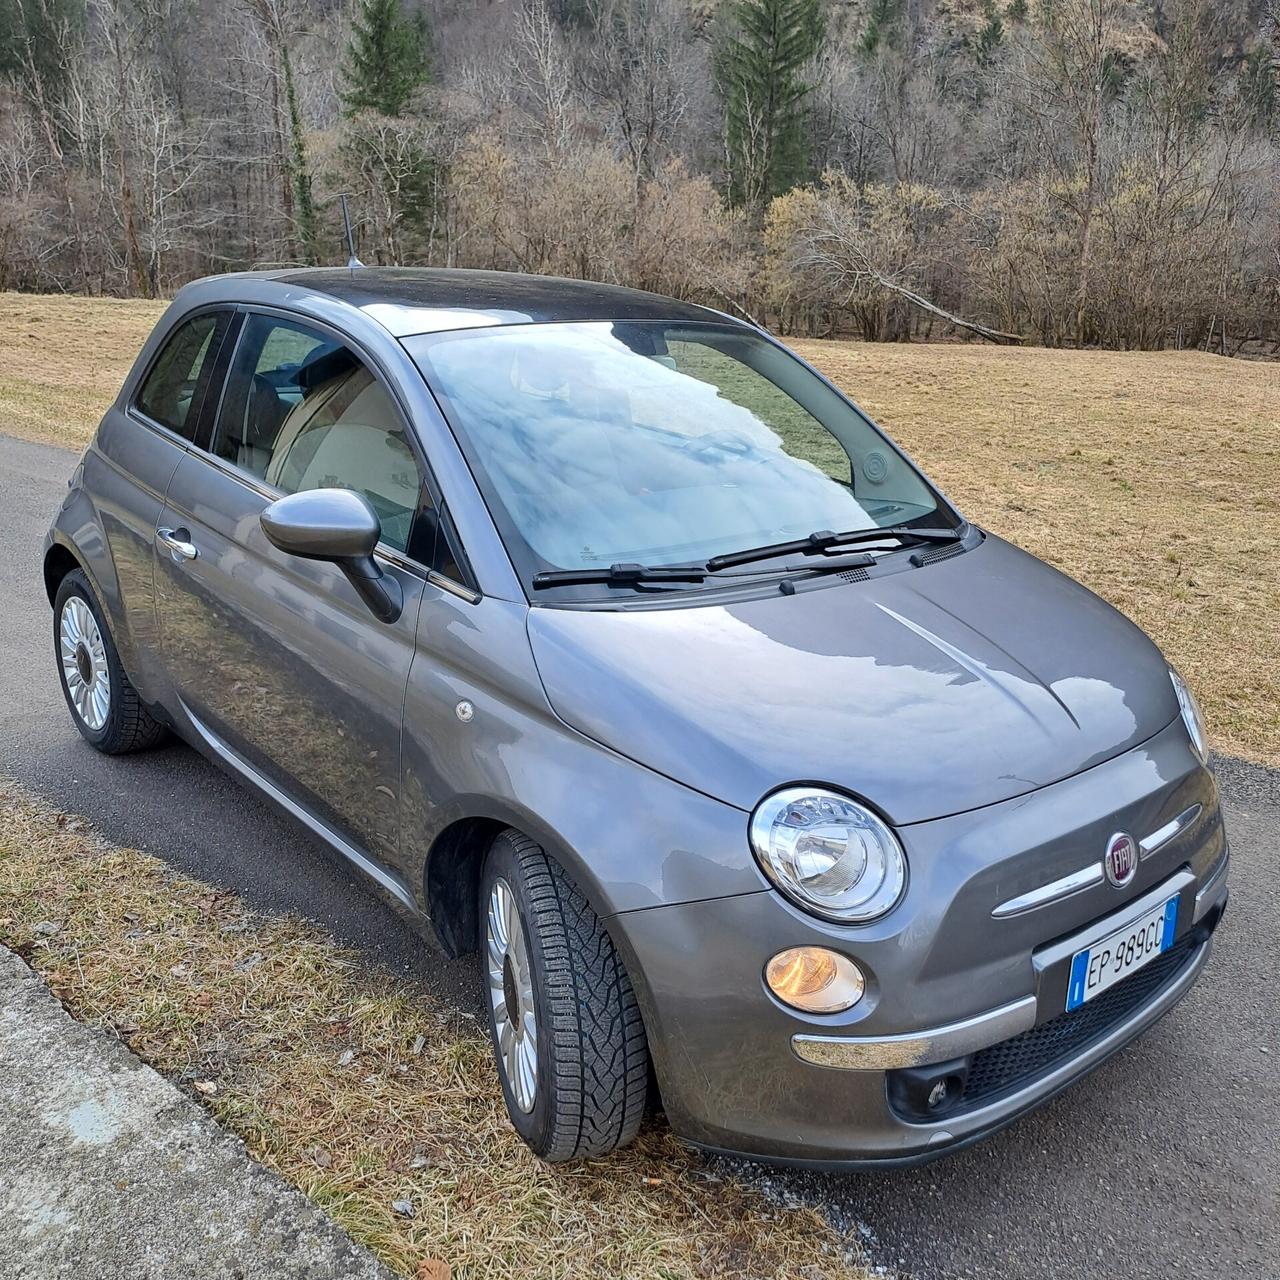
(1191, 716)
(830, 855)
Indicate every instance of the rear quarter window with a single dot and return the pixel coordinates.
(174, 386)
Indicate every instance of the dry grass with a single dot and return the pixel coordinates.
(358, 1089)
(1153, 478)
(63, 359)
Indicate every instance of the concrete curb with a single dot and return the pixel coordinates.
(107, 1170)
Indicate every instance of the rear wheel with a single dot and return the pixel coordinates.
(567, 1034)
(104, 704)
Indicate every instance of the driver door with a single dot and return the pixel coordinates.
(276, 659)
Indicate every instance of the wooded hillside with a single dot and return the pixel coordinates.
(1068, 172)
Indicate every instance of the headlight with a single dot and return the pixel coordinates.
(828, 854)
(1191, 716)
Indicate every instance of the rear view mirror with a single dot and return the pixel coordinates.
(341, 527)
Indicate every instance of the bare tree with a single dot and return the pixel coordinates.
(1066, 77)
(860, 250)
(544, 69)
(639, 73)
(276, 21)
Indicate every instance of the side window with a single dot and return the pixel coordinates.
(172, 391)
(302, 412)
(434, 545)
(444, 561)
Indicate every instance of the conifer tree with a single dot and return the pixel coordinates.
(991, 36)
(761, 74)
(882, 20)
(387, 59)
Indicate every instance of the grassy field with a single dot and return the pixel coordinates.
(1153, 478)
(63, 359)
(361, 1090)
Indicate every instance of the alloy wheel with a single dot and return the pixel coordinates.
(511, 995)
(84, 663)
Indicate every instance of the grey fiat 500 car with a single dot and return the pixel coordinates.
(611, 641)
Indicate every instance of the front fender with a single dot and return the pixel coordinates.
(629, 837)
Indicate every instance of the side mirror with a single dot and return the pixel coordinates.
(341, 527)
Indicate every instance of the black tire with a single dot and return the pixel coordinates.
(592, 1054)
(128, 726)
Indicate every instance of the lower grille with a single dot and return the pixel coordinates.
(993, 1073)
(1011, 1064)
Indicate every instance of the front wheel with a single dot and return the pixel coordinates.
(567, 1033)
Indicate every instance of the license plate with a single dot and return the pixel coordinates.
(1105, 963)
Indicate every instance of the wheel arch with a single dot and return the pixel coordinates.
(451, 887)
(455, 858)
(77, 540)
(451, 881)
(60, 560)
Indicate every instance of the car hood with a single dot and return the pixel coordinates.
(927, 692)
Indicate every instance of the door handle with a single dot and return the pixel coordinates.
(175, 540)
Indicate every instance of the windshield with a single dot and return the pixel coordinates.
(654, 443)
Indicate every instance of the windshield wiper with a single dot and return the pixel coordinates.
(626, 575)
(621, 575)
(822, 541)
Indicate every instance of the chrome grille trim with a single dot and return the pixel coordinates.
(1093, 874)
(1055, 890)
(1162, 835)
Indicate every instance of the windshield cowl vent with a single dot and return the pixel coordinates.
(934, 554)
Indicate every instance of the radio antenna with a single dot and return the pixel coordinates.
(352, 260)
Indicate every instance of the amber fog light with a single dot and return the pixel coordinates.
(814, 979)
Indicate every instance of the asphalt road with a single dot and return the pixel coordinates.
(1164, 1162)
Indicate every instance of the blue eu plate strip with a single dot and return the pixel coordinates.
(1079, 971)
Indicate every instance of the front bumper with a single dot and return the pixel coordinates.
(931, 1141)
(970, 1035)
(742, 1074)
